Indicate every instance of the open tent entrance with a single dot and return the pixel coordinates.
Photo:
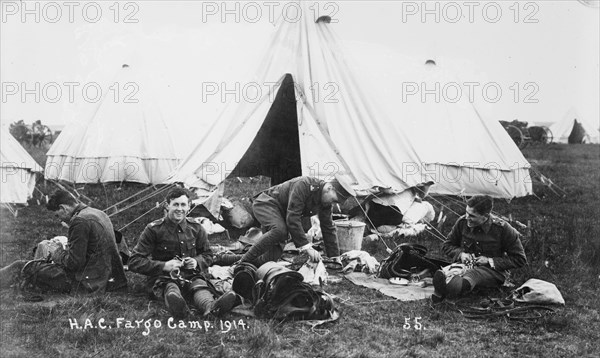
(578, 134)
(275, 151)
(573, 129)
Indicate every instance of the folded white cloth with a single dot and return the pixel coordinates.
(314, 233)
(369, 263)
(210, 227)
(314, 273)
(221, 272)
(419, 211)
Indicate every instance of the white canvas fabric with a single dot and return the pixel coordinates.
(538, 291)
(123, 140)
(464, 152)
(360, 129)
(17, 169)
(561, 130)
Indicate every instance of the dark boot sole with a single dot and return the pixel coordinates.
(243, 283)
(224, 303)
(177, 306)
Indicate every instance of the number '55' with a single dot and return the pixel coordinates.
(417, 326)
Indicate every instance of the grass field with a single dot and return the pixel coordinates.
(562, 244)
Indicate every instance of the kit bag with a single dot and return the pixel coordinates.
(44, 276)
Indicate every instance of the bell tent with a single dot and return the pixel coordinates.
(307, 116)
(573, 130)
(464, 152)
(468, 153)
(125, 139)
(18, 170)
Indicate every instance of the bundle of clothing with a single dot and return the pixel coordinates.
(358, 260)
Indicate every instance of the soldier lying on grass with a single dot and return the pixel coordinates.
(175, 254)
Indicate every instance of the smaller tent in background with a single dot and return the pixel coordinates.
(18, 170)
(125, 139)
(573, 129)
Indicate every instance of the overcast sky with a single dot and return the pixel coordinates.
(543, 56)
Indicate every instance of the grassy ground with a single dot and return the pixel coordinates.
(562, 245)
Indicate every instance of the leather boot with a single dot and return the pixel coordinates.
(224, 303)
(175, 302)
(205, 302)
(454, 287)
(244, 279)
(458, 286)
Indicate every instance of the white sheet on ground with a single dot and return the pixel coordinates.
(403, 293)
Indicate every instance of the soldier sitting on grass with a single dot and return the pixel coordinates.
(488, 246)
(91, 262)
(175, 254)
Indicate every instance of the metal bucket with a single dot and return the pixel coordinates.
(349, 234)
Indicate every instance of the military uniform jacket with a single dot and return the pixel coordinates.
(301, 197)
(162, 240)
(92, 257)
(495, 239)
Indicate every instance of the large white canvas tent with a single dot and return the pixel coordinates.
(573, 129)
(125, 139)
(464, 152)
(468, 153)
(335, 126)
(307, 116)
(18, 170)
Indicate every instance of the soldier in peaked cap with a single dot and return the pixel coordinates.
(280, 208)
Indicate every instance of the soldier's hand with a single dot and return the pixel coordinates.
(190, 263)
(313, 254)
(172, 264)
(56, 255)
(465, 258)
(482, 261)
